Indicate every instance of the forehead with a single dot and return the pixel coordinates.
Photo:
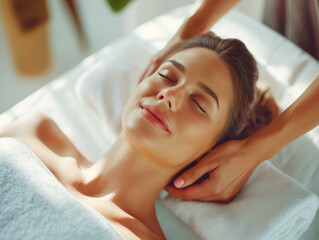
(202, 61)
(205, 65)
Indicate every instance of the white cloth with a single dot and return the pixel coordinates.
(34, 205)
(271, 205)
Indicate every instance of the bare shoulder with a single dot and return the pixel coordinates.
(24, 126)
(38, 130)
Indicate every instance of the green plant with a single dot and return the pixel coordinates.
(117, 5)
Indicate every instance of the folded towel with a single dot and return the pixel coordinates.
(271, 205)
(34, 205)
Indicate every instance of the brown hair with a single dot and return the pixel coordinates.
(253, 109)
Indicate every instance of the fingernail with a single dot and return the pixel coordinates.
(179, 183)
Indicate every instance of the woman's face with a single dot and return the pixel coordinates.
(178, 113)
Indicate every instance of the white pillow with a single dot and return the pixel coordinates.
(107, 85)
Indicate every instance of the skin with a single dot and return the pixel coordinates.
(125, 182)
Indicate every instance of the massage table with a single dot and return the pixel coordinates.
(82, 103)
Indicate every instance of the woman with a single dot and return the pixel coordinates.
(207, 84)
(227, 160)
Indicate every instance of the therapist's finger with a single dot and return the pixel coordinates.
(193, 174)
(190, 193)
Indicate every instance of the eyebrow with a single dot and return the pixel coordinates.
(178, 65)
(209, 91)
(202, 85)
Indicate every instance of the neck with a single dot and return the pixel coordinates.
(131, 178)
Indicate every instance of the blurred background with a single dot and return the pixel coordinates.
(42, 39)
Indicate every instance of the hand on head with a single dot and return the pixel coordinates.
(228, 167)
(158, 58)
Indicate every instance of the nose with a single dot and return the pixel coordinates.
(172, 96)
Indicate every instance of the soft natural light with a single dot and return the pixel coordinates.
(58, 84)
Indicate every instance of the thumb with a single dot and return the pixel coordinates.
(192, 175)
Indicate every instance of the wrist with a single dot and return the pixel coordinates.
(191, 28)
(264, 144)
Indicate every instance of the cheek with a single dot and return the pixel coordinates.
(198, 135)
(127, 109)
(133, 123)
(144, 89)
(193, 137)
(148, 86)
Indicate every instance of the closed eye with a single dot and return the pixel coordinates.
(163, 76)
(198, 105)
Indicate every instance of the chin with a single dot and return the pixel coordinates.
(138, 128)
(149, 139)
(144, 139)
(151, 147)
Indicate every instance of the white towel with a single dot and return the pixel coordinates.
(34, 205)
(271, 206)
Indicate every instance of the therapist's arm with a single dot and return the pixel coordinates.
(231, 164)
(205, 15)
(299, 118)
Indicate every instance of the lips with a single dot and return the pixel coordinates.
(155, 116)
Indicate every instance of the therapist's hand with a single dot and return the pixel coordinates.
(229, 166)
(158, 58)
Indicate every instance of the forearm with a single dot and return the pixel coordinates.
(208, 12)
(300, 117)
